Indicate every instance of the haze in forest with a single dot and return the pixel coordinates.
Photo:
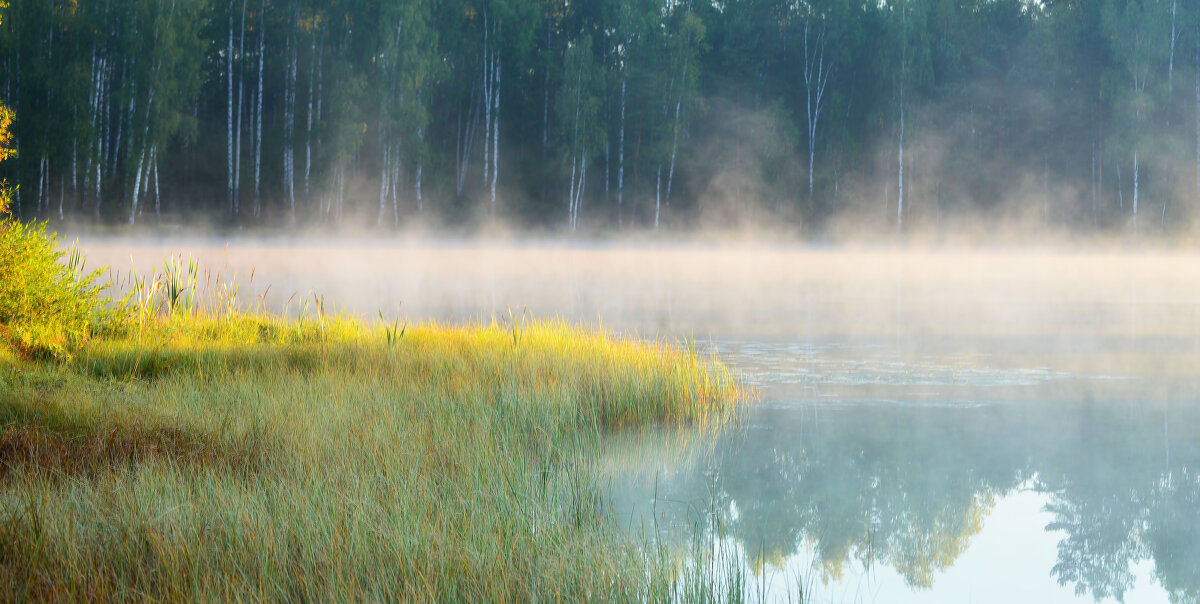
(820, 119)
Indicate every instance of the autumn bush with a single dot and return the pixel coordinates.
(47, 306)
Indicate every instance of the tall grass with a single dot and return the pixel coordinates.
(209, 453)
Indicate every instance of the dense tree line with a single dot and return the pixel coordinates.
(606, 114)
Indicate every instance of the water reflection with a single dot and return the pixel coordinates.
(934, 423)
(901, 468)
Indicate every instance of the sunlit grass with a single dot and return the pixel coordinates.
(239, 456)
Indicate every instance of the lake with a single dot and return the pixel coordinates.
(930, 425)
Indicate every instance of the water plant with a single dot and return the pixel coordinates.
(393, 332)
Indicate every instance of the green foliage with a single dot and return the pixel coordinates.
(393, 332)
(349, 108)
(47, 307)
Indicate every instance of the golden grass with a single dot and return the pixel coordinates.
(246, 457)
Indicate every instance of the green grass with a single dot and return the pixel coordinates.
(206, 456)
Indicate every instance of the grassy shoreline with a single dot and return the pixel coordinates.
(246, 457)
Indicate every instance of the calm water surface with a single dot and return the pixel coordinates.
(872, 474)
(932, 426)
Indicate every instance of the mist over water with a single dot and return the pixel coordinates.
(919, 297)
(934, 425)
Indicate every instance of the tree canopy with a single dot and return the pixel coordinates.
(642, 114)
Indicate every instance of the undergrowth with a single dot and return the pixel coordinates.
(47, 307)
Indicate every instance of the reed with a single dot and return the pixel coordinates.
(208, 454)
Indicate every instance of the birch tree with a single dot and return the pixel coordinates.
(816, 71)
(229, 63)
(578, 105)
(451, 101)
(1136, 31)
(170, 49)
(258, 109)
(407, 67)
(909, 69)
(685, 49)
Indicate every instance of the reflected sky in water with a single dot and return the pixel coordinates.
(933, 426)
(871, 474)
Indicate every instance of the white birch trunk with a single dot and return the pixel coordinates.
(900, 157)
(106, 103)
(1095, 195)
(657, 196)
(115, 147)
(1171, 56)
(99, 199)
(142, 178)
(137, 188)
(385, 169)
(417, 186)
(1135, 191)
(397, 168)
(229, 112)
(417, 181)
(237, 154)
(546, 96)
(157, 198)
(46, 179)
(571, 194)
(109, 129)
(95, 157)
(816, 77)
(1120, 186)
(381, 125)
(496, 132)
(1045, 193)
(1163, 219)
(290, 127)
(320, 96)
(312, 71)
(674, 141)
(94, 102)
(458, 158)
(900, 170)
(487, 99)
(287, 124)
(579, 189)
(262, 35)
(336, 213)
(607, 168)
(41, 183)
(621, 162)
(1099, 181)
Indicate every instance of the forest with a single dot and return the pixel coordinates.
(607, 115)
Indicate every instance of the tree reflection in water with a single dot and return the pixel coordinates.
(909, 486)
